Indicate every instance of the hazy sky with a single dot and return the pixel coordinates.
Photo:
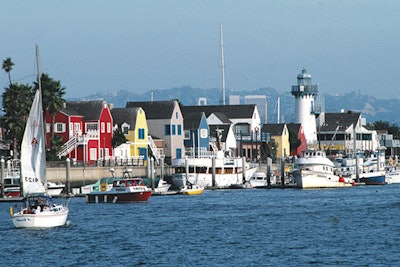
(93, 46)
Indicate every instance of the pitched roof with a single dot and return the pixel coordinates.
(293, 127)
(344, 120)
(231, 111)
(192, 119)
(155, 109)
(222, 117)
(127, 115)
(273, 128)
(90, 110)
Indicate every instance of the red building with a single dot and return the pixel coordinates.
(297, 129)
(86, 130)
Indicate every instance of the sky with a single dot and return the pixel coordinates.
(139, 46)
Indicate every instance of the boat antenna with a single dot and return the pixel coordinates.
(222, 64)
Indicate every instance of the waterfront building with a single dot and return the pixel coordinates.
(86, 130)
(165, 120)
(345, 132)
(279, 135)
(133, 124)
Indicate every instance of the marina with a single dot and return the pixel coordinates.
(222, 228)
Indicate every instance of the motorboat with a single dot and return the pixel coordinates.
(259, 179)
(55, 189)
(315, 170)
(162, 187)
(123, 190)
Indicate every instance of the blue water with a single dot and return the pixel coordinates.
(357, 226)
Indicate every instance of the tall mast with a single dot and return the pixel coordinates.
(37, 67)
(222, 64)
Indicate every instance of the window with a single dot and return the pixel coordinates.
(103, 127)
(141, 133)
(47, 128)
(176, 115)
(167, 129)
(173, 129)
(125, 129)
(108, 127)
(91, 126)
(77, 128)
(59, 128)
(179, 129)
(93, 154)
(203, 133)
(187, 135)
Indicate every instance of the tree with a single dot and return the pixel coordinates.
(118, 138)
(390, 128)
(53, 101)
(7, 67)
(17, 100)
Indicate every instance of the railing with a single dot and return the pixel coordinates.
(68, 147)
(154, 149)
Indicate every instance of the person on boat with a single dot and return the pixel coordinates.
(341, 179)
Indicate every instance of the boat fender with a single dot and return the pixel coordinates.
(11, 211)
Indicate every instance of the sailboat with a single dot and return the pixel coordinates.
(38, 209)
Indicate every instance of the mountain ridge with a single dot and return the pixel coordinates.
(371, 108)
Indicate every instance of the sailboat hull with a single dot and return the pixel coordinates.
(45, 219)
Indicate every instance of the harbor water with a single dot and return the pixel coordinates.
(355, 226)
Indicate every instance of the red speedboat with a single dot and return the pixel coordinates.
(123, 190)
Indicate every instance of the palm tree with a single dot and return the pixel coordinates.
(53, 101)
(17, 100)
(7, 67)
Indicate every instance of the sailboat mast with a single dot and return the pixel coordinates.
(38, 69)
(222, 64)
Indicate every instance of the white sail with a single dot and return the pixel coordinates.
(33, 158)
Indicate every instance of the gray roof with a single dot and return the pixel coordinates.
(155, 109)
(192, 119)
(90, 110)
(127, 115)
(231, 111)
(344, 120)
(273, 128)
(293, 127)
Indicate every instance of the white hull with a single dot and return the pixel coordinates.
(44, 219)
(311, 179)
(228, 172)
(162, 187)
(393, 177)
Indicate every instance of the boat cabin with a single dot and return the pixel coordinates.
(128, 182)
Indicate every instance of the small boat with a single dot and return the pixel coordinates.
(12, 178)
(123, 190)
(193, 189)
(162, 187)
(33, 165)
(259, 179)
(55, 189)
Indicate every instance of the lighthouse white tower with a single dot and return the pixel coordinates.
(304, 92)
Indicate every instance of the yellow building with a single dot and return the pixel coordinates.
(132, 122)
(280, 134)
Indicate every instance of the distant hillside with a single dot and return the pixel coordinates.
(372, 109)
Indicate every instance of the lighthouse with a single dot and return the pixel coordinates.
(304, 93)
